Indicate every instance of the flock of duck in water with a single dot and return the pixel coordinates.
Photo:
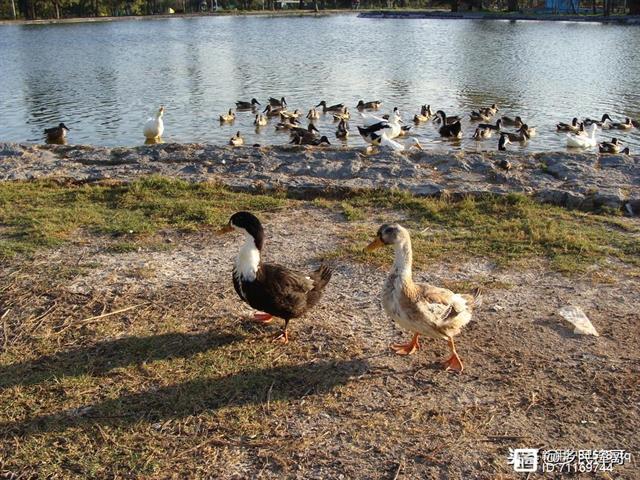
(385, 130)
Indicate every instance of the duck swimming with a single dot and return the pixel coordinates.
(154, 127)
(480, 116)
(260, 120)
(600, 123)
(421, 308)
(626, 125)
(482, 134)
(56, 134)
(424, 115)
(445, 119)
(503, 142)
(240, 105)
(373, 105)
(512, 122)
(490, 126)
(583, 141)
(236, 140)
(274, 102)
(313, 114)
(314, 142)
(574, 126)
(449, 130)
(276, 290)
(228, 117)
(343, 130)
(521, 135)
(613, 146)
(338, 107)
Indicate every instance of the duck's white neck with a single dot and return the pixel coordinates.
(248, 259)
(403, 260)
(159, 114)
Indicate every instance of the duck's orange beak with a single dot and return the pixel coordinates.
(225, 229)
(377, 243)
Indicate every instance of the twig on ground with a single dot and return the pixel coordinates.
(99, 317)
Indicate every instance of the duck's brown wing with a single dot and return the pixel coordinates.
(282, 292)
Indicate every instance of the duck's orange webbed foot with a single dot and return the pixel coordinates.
(454, 362)
(407, 348)
(263, 318)
(282, 338)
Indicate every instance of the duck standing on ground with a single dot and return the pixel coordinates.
(154, 127)
(421, 308)
(268, 287)
(56, 134)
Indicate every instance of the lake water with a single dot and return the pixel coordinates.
(104, 79)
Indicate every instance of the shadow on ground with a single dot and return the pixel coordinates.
(282, 383)
(102, 357)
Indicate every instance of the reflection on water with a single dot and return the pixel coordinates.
(104, 80)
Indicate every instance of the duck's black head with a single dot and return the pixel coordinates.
(324, 139)
(574, 122)
(254, 102)
(360, 103)
(606, 117)
(63, 126)
(248, 222)
(614, 140)
(322, 104)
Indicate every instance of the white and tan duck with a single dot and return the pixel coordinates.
(421, 308)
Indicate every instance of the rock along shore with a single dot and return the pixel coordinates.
(575, 180)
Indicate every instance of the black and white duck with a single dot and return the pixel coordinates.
(56, 134)
(276, 290)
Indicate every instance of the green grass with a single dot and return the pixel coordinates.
(44, 214)
(507, 230)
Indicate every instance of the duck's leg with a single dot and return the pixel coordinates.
(454, 362)
(262, 317)
(284, 336)
(407, 348)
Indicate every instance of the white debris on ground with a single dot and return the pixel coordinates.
(576, 317)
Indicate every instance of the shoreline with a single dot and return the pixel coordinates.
(514, 16)
(361, 13)
(165, 16)
(585, 181)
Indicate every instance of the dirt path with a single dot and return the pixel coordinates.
(348, 407)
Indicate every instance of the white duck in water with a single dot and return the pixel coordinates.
(583, 141)
(393, 126)
(154, 127)
(419, 307)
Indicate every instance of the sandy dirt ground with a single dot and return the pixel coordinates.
(529, 381)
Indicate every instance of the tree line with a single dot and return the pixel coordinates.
(35, 9)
